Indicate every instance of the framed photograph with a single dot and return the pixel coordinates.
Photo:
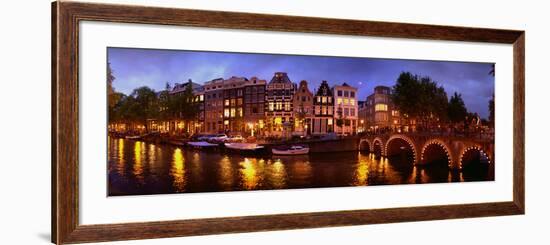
(176, 122)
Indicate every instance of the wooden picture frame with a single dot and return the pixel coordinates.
(65, 121)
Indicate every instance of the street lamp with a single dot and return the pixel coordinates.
(251, 126)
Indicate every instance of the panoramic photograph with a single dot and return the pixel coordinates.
(184, 121)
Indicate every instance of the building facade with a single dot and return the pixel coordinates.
(279, 105)
(254, 106)
(233, 105)
(213, 119)
(362, 116)
(323, 103)
(345, 109)
(303, 109)
(381, 112)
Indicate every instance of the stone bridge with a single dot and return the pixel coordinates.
(457, 152)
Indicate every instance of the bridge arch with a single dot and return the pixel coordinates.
(378, 147)
(397, 143)
(434, 150)
(470, 153)
(365, 145)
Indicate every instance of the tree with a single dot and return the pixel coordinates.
(457, 110)
(492, 111)
(420, 98)
(145, 106)
(111, 93)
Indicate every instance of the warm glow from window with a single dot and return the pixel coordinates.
(381, 107)
(226, 102)
(201, 97)
(330, 121)
(226, 122)
(226, 113)
(232, 112)
(271, 106)
(278, 120)
(352, 101)
(339, 101)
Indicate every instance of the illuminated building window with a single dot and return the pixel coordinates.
(226, 102)
(324, 110)
(287, 106)
(381, 107)
(271, 106)
(226, 122)
(232, 102)
(352, 101)
(201, 97)
(279, 106)
(278, 120)
(324, 99)
(232, 112)
(329, 99)
(330, 121)
(339, 101)
(395, 113)
(240, 112)
(346, 101)
(239, 101)
(226, 112)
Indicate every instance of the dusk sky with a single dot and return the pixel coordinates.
(154, 68)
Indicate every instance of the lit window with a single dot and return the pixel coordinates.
(339, 101)
(271, 106)
(226, 102)
(226, 122)
(381, 107)
(346, 101)
(330, 121)
(240, 112)
(226, 112)
(278, 120)
(201, 97)
(352, 101)
(232, 112)
(395, 113)
(279, 106)
(287, 106)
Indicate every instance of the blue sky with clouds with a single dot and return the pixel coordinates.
(155, 67)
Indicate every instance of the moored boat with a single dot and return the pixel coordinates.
(133, 137)
(293, 150)
(201, 144)
(244, 146)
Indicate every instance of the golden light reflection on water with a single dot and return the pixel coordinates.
(139, 154)
(362, 171)
(178, 170)
(226, 179)
(152, 154)
(276, 174)
(120, 156)
(249, 173)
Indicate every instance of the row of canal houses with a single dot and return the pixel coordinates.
(278, 108)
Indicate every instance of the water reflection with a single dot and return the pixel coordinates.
(142, 168)
(249, 172)
(178, 170)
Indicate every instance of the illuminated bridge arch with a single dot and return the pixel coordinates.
(393, 147)
(365, 145)
(378, 147)
(434, 150)
(467, 153)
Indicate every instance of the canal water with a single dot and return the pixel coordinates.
(139, 168)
